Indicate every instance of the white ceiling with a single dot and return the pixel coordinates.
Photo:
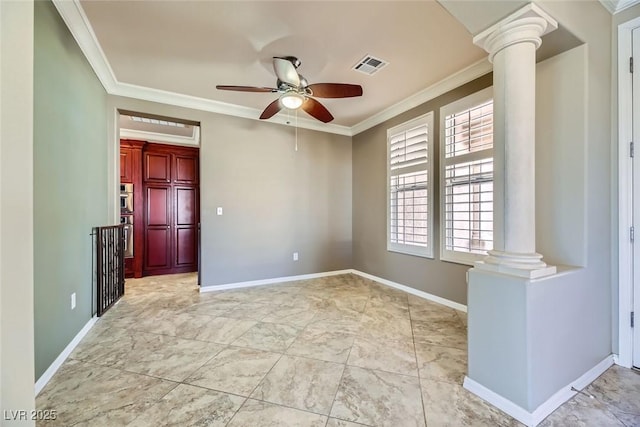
(175, 52)
(187, 47)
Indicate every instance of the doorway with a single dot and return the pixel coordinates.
(159, 193)
(635, 109)
(628, 187)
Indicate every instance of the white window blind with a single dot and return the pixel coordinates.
(409, 187)
(467, 178)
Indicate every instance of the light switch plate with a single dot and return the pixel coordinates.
(219, 211)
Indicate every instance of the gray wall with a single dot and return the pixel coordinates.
(561, 158)
(567, 317)
(16, 210)
(370, 255)
(70, 182)
(275, 200)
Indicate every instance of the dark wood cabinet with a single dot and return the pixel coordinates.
(186, 226)
(171, 209)
(131, 173)
(157, 167)
(186, 170)
(126, 165)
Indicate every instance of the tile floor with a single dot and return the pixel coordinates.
(340, 351)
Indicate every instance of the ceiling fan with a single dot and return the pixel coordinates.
(296, 92)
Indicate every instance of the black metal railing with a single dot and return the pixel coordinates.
(109, 254)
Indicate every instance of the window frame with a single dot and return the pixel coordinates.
(472, 100)
(403, 248)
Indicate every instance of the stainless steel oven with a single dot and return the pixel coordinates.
(127, 221)
(126, 198)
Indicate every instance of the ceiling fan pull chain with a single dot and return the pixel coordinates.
(296, 130)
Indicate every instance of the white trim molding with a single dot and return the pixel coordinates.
(615, 6)
(413, 291)
(272, 281)
(78, 23)
(472, 72)
(534, 418)
(277, 280)
(53, 368)
(73, 15)
(625, 194)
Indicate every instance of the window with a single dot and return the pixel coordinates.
(466, 178)
(410, 192)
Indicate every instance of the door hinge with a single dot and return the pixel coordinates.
(631, 64)
(632, 320)
(631, 151)
(631, 233)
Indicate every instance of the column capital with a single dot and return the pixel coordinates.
(527, 24)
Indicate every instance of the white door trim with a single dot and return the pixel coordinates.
(625, 194)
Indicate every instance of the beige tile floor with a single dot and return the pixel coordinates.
(337, 351)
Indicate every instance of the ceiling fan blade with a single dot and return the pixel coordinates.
(247, 88)
(286, 71)
(317, 110)
(335, 90)
(271, 109)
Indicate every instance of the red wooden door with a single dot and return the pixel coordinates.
(172, 209)
(186, 227)
(158, 228)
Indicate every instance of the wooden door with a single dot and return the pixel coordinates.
(158, 228)
(186, 227)
(172, 209)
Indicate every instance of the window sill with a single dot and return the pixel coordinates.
(467, 259)
(418, 253)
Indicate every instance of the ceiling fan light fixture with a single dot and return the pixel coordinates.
(292, 100)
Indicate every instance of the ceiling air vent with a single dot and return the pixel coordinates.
(370, 65)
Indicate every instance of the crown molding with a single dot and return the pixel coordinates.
(73, 15)
(76, 20)
(615, 6)
(202, 104)
(463, 76)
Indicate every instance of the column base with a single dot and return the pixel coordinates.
(529, 266)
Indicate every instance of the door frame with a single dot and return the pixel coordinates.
(113, 152)
(625, 194)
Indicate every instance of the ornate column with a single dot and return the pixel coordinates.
(512, 45)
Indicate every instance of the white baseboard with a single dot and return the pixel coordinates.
(534, 418)
(380, 280)
(53, 368)
(412, 291)
(275, 280)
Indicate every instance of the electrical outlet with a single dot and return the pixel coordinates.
(295, 256)
(73, 301)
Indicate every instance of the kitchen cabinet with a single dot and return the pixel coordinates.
(126, 165)
(131, 173)
(171, 209)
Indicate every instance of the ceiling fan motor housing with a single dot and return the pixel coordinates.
(297, 93)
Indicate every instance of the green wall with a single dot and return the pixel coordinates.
(70, 182)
